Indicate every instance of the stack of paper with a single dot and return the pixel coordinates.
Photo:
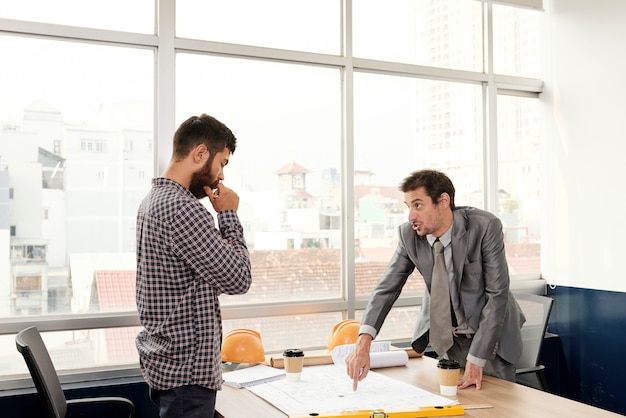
(254, 375)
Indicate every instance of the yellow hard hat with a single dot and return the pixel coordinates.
(242, 345)
(343, 332)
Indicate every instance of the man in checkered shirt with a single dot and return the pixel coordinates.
(183, 264)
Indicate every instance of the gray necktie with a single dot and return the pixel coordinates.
(440, 318)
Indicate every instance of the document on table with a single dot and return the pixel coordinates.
(328, 388)
(251, 376)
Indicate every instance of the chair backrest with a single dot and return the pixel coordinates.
(35, 353)
(537, 309)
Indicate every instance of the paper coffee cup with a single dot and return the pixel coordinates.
(293, 359)
(449, 372)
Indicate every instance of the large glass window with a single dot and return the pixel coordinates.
(443, 33)
(519, 204)
(123, 15)
(77, 350)
(75, 144)
(516, 41)
(312, 26)
(78, 151)
(287, 120)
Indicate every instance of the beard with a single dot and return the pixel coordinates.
(201, 179)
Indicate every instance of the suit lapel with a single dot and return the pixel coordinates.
(424, 259)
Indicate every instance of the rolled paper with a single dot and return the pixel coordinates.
(317, 359)
(388, 359)
(378, 359)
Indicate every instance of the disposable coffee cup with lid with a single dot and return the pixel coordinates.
(449, 372)
(293, 359)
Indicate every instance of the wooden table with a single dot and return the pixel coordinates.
(509, 400)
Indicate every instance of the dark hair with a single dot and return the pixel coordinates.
(203, 129)
(434, 183)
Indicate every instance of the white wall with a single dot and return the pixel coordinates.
(584, 187)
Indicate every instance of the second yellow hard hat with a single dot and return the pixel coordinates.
(343, 332)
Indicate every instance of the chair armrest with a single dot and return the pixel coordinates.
(527, 370)
(103, 400)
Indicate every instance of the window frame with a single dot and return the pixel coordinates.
(166, 45)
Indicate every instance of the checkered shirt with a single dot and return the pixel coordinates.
(183, 264)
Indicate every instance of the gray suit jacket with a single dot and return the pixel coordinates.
(482, 278)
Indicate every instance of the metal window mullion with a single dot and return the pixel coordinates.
(490, 92)
(347, 163)
(61, 32)
(70, 322)
(165, 84)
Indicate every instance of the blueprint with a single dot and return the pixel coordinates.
(328, 388)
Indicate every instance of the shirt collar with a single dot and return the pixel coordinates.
(445, 238)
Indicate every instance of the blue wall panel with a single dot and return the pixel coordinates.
(591, 325)
(26, 403)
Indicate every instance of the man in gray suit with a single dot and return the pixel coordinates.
(486, 319)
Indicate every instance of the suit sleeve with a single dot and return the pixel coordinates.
(388, 287)
(496, 281)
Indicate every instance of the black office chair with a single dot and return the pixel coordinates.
(537, 311)
(32, 347)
